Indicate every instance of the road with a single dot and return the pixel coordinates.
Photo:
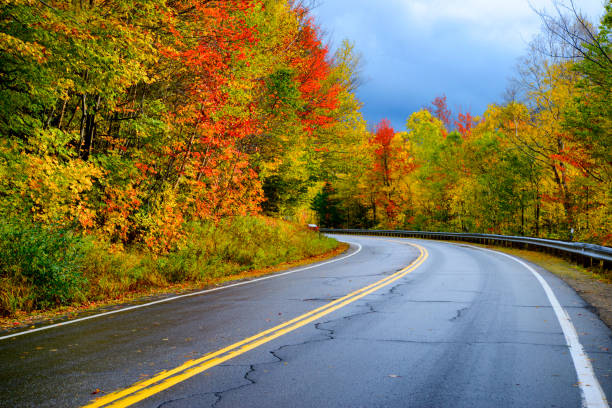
(388, 324)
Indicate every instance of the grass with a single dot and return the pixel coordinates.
(211, 254)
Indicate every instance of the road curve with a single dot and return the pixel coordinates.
(395, 325)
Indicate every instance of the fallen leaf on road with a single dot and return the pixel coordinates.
(96, 391)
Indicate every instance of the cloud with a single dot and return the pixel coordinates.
(505, 23)
(509, 24)
(415, 50)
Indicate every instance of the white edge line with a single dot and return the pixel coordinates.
(183, 296)
(593, 395)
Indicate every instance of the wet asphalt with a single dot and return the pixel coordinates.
(468, 328)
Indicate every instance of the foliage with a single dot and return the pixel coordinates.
(590, 117)
(44, 262)
(326, 207)
(537, 165)
(128, 122)
(47, 267)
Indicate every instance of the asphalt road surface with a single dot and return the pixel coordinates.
(388, 324)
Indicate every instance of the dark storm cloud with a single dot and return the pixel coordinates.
(415, 50)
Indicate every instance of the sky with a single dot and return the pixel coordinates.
(415, 50)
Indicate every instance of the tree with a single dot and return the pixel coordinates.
(439, 109)
(327, 208)
(435, 150)
(386, 187)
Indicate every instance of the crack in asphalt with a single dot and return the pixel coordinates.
(459, 314)
(253, 367)
(469, 343)
(370, 311)
(329, 333)
(219, 394)
(394, 290)
(184, 398)
(319, 299)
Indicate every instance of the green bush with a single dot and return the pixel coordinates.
(42, 262)
(238, 244)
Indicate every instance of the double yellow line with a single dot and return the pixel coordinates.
(166, 379)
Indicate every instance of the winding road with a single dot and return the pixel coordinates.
(391, 323)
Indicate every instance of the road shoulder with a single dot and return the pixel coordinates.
(595, 289)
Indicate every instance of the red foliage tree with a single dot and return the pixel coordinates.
(212, 39)
(313, 67)
(440, 110)
(464, 124)
(383, 135)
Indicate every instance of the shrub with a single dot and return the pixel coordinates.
(39, 266)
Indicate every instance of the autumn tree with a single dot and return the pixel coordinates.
(386, 189)
(439, 109)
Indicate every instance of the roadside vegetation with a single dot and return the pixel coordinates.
(555, 264)
(47, 267)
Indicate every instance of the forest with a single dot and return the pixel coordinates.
(143, 142)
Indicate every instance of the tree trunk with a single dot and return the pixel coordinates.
(83, 123)
(89, 130)
(62, 113)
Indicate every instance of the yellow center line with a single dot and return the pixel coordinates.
(164, 374)
(166, 379)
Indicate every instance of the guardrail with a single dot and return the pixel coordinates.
(588, 255)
